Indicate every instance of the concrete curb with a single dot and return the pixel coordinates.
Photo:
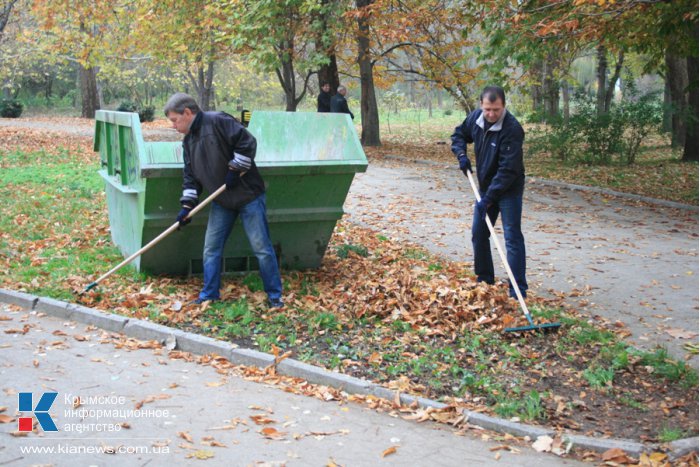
(197, 344)
(568, 186)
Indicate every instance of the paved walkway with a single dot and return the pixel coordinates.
(610, 257)
(191, 411)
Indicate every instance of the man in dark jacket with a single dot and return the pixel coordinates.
(339, 104)
(498, 145)
(323, 102)
(217, 149)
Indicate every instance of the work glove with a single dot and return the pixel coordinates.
(233, 178)
(464, 163)
(482, 206)
(182, 216)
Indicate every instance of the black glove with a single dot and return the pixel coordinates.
(482, 206)
(233, 178)
(182, 216)
(464, 163)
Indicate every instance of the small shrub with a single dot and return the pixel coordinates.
(447, 112)
(594, 139)
(147, 114)
(10, 108)
(127, 106)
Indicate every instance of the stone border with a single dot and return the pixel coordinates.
(568, 186)
(201, 345)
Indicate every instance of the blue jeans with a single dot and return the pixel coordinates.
(510, 207)
(219, 228)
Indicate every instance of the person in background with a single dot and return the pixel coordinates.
(323, 102)
(339, 104)
(498, 147)
(217, 150)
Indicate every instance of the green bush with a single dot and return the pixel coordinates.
(594, 139)
(146, 114)
(127, 106)
(10, 108)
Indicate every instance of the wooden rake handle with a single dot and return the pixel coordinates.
(155, 241)
(501, 254)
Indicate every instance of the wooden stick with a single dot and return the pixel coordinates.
(500, 252)
(160, 237)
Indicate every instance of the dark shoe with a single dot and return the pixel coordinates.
(275, 303)
(200, 300)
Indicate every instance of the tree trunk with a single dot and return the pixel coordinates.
(551, 91)
(677, 79)
(204, 86)
(566, 97)
(613, 81)
(88, 92)
(368, 99)
(286, 77)
(666, 124)
(601, 75)
(5, 14)
(537, 91)
(328, 73)
(690, 151)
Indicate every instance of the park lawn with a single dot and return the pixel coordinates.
(377, 308)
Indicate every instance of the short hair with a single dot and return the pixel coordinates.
(493, 93)
(180, 101)
(341, 88)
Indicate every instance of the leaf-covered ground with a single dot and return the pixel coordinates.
(377, 309)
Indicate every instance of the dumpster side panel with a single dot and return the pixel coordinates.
(125, 219)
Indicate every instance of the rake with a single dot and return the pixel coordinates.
(153, 242)
(532, 326)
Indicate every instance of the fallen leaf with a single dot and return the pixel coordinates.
(262, 419)
(681, 333)
(185, 435)
(272, 433)
(543, 444)
(389, 451)
(6, 419)
(201, 454)
(615, 455)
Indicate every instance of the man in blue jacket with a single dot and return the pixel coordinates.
(218, 149)
(339, 104)
(498, 146)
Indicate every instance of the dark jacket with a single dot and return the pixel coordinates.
(499, 153)
(207, 149)
(340, 105)
(323, 102)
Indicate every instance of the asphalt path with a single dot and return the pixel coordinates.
(123, 402)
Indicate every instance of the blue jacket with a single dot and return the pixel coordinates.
(499, 153)
(340, 105)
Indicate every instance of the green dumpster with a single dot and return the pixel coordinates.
(308, 161)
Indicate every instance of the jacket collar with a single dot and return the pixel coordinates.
(196, 122)
(496, 126)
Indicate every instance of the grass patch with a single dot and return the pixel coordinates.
(342, 251)
(667, 434)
